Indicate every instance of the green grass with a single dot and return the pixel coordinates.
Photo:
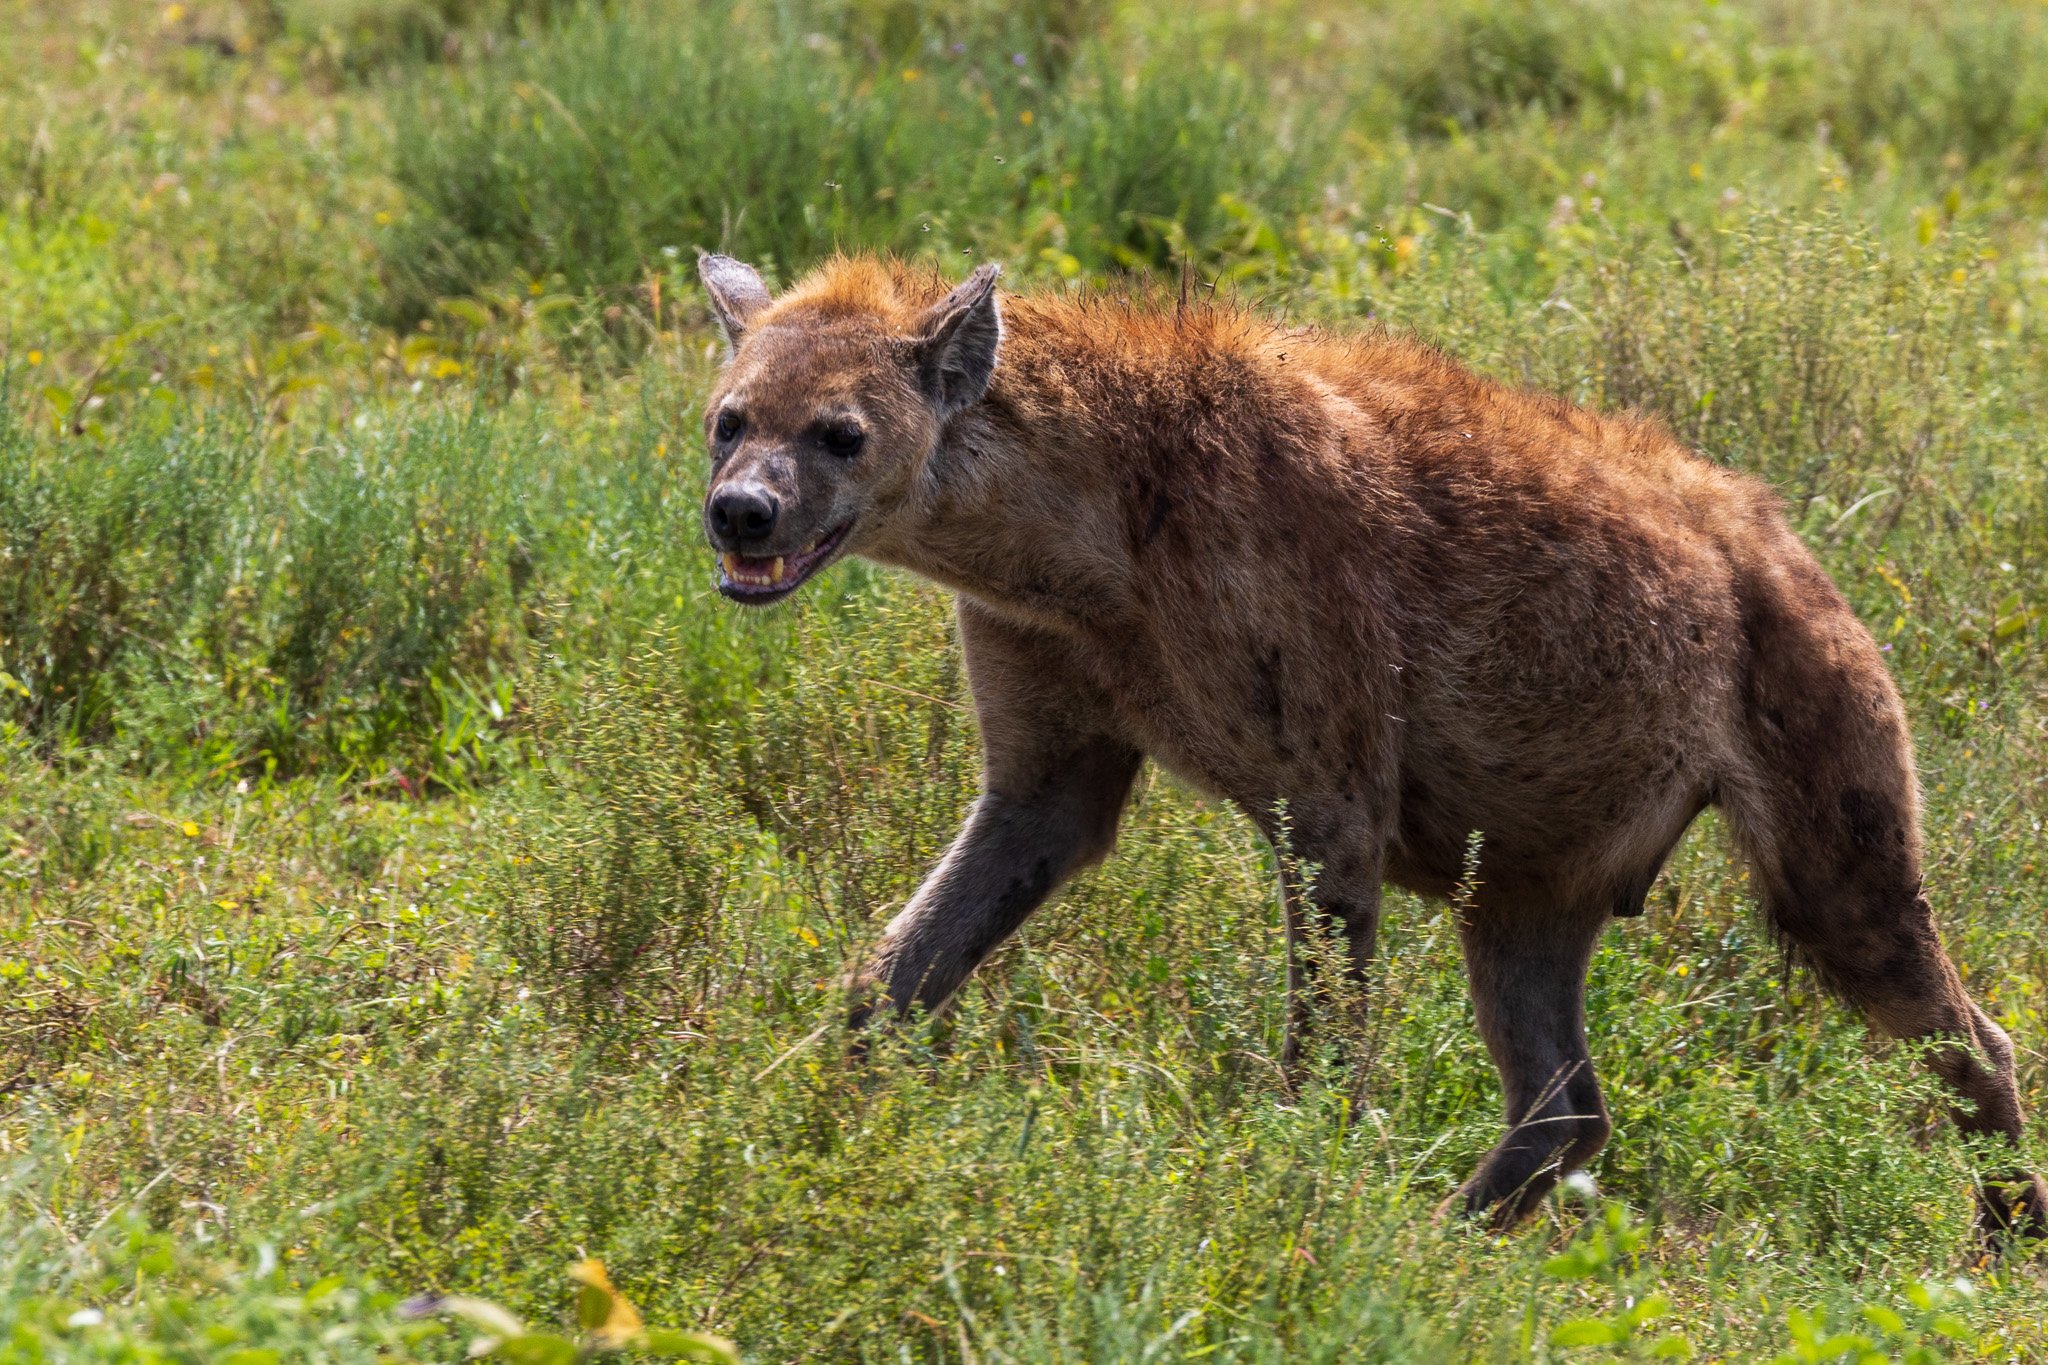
(414, 878)
(628, 135)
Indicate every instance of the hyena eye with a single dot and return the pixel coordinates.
(728, 425)
(843, 439)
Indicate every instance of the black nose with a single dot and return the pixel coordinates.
(743, 513)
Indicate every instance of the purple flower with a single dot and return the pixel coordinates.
(959, 48)
(1016, 59)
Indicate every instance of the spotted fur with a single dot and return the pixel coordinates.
(1342, 574)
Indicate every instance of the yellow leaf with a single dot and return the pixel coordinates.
(605, 1312)
(1897, 583)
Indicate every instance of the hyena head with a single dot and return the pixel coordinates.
(833, 397)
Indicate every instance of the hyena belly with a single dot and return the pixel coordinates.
(1570, 721)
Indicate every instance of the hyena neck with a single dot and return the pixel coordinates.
(1013, 518)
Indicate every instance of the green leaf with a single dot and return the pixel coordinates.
(1883, 1319)
(536, 1348)
(680, 1345)
(1585, 1332)
(469, 310)
(483, 1315)
(2009, 626)
(1672, 1347)
(1952, 1327)
(1571, 1264)
(593, 1306)
(320, 1290)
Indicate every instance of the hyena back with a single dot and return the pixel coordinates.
(1343, 577)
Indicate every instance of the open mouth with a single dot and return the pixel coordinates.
(765, 578)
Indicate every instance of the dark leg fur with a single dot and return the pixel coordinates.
(1016, 848)
(1311, 914)
(1528, 975)
(1345, 896)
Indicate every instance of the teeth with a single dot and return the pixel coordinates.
(754, 573)
(765, 573)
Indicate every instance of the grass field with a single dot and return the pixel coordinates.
(414, 878)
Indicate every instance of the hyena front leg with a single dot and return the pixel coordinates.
(1053, 786)
(1023, 839)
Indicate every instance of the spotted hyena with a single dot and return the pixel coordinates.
(1342, 576)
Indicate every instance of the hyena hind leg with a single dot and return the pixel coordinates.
(1528, 976)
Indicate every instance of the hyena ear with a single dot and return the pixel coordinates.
(736, 294)
(955, 343)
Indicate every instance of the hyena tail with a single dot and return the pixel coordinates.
(1825, 805)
